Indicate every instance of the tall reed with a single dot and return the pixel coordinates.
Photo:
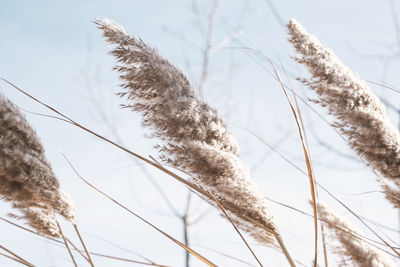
(194, 138)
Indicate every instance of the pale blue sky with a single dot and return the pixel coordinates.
(49, 47)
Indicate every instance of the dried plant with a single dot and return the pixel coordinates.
(352, 250)
(26, 178)
(361, 116)
(195, 139)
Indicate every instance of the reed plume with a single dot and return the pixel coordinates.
(361, 117)
(351, 250)
(194, 138)
(26, 178)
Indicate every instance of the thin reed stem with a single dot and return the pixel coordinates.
(76, 249)
(27, 263)
(203, 259)
(308, 163)
(83, 244)
(284, 250)
(81, 251)
(15, 259)
(237, 229)
(66, 243)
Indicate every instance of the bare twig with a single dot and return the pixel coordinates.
(185, 223)
(395, 22)
(275, 13)
(207, 49)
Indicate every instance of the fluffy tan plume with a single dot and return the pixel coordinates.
(26, 178)
(352, 250)
(195, 139)
(361, 117)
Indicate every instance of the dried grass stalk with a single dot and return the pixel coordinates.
(361, 117)
(195, 139)
(26, 178)
(351, 250)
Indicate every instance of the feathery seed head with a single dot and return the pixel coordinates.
(194, 138)
(26, 178)
(361, 117)
(352, 250)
